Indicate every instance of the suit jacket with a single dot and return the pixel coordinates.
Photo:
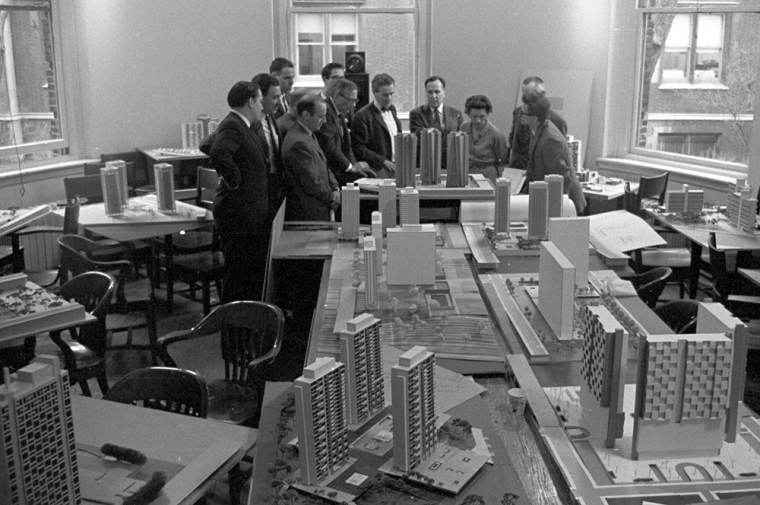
(549, 154)
(312, 184)
(279, 110)
(277, 186)
(422, 118)
(519, 138)
(370, 138)
(240, 156)
(335, 141)
(285, 123)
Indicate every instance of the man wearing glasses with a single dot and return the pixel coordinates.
(331, 72)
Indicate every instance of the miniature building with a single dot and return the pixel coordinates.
(377, 232)
(349, 201)
(555, 297)
(737, 209)
(321, 419)
(410, 257)
(457, 160)
(747, 213)
(362, 354)
(387, 203)
(413, 400)
(605, 346)
(409, 205)
(430, 156)
(370, 274)
(38, 462)
(501, 207)
(690, 201)
(556, 186)
(406, 159)
(538, 210)
(571, 236)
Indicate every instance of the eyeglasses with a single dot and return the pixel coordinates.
(352, 101)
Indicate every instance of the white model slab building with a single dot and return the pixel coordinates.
(377, 232)
(349, 201)
(362, 354)
(556, 292)
(684, 201)
(457, 159)
(571, 236)
(501, 207)
(430, 156)
(371, 290)
(387, 202)
(410, 257)
(409, 206)
(406, 159)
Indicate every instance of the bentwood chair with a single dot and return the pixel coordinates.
(679, 315)
(650, 284)
(728, 286)
(163, 388)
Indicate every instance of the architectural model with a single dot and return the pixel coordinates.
(501, 207)
(387, 203)
(38, 462)
(571, 236)
(413, 400)
(411, 255)
(685, 201)
(406, 159)
(321, 421)
(556, 302)
(349, 201)
(409, 206)
(370, 273)
(121, 169)
(457, 160)
(538, 210)
(430, 156)
(605, 346)
(377, 232)
(741, 207)
(556, 185)
(362, 354)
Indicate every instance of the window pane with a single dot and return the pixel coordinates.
(339, 52)
(697, 3)
(342, 24)
(710, 31)
(310, 59)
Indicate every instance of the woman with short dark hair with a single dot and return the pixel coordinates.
(488, 146)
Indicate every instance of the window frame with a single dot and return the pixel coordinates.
(326, 44)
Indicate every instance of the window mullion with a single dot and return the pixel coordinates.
(692, 61)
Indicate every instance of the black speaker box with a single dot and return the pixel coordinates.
(355, 62)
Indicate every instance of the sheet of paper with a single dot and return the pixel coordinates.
(621, 231)
(516, 177)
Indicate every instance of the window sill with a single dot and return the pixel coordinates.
(699, 86)
(62, 169)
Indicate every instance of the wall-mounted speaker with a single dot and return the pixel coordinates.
(355, 62)
(362, 83)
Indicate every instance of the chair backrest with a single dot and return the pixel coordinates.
(93, 290)
(138, 176)
(207, 182)
(163, 388)
(84, 186)
(679, 315)
(653, 187)
(75, 250)
(722, 282)
(650, 284)
(71, 218)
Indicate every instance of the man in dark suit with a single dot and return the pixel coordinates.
(241, 208)
(286, 121)
(284, 71)
(435, 115)
(314, 192)
(374, 127)
(270, 132)
(519, 136)
(548, 150)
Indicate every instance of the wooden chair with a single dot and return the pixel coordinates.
(651, 191)
(679, 315)
(650, 285)
(84, 356)
(85, 187)
(162, 388)
(93, 168)
(123, 315)
(139, 167)
(728, 287)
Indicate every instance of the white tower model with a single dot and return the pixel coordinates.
(501, 207)
(362, 354)
(321, 419)
(538, 210)
(370, 274)
(406, 159)
(409, 204)
(556, 291)
(413, 401)
(430, 156)
(349, 201)
(387, 202)
(457, 160)
(377, 232)
(556, 187)
(38, 462)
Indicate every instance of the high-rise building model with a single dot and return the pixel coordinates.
(430, 156)
(349, 202)
(413, 400)
(740, 206)
(409, 205)
(410, 257)
(321, 421)
(571, 236)
(605, 346)
(501, 207)
(387, 203)
(457, 160)
(556, 292)
(362, 354)
(372, 301)
(406, 159)
(38, 462)
(684, 201)
(538, 209)
(377, 232)
(556, 185)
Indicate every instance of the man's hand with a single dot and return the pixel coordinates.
(390, 166)
(335, 200)
(362, 168)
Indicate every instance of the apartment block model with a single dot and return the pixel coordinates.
(371, 291)
(685, 201)
(321, 421)
(605, 346)
(387, 203)
(413, 400)
(38, 462)
(377, 232)
(740, 206)
(409, 206)
(556, 185)
(501, 206)
(556, 297)
(406, 159)
(538, 210)
(457, 160)
(571, 236)
(349, 201)
(361, 353)
(410, 257)
(430, 156)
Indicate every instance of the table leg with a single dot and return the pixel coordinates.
(696, 260)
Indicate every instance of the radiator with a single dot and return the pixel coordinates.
(41, 251)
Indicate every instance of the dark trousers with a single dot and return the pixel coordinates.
(245, 260)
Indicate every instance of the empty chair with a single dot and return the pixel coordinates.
(650, 285)
(93, 168)
(679, 315)
(727, 285)
(139, 173)
(651, 191)
(162, 388)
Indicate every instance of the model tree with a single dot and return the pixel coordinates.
(509, 499)
(473, 499)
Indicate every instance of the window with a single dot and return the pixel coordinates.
(693, 49)
(323, 34)
(31, 118)
(692, 144)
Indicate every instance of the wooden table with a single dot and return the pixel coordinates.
(185, 167)
(206, 449)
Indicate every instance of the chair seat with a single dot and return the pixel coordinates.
(84, 356)
(202, 262)
(666, 257)
(230, 402)
(192, 240)
(744, 299)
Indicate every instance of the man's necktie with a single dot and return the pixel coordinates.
(270, 143)
(437, 119)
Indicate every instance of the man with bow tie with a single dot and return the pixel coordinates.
(374, 127)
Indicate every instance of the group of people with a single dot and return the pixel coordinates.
(277, 142)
